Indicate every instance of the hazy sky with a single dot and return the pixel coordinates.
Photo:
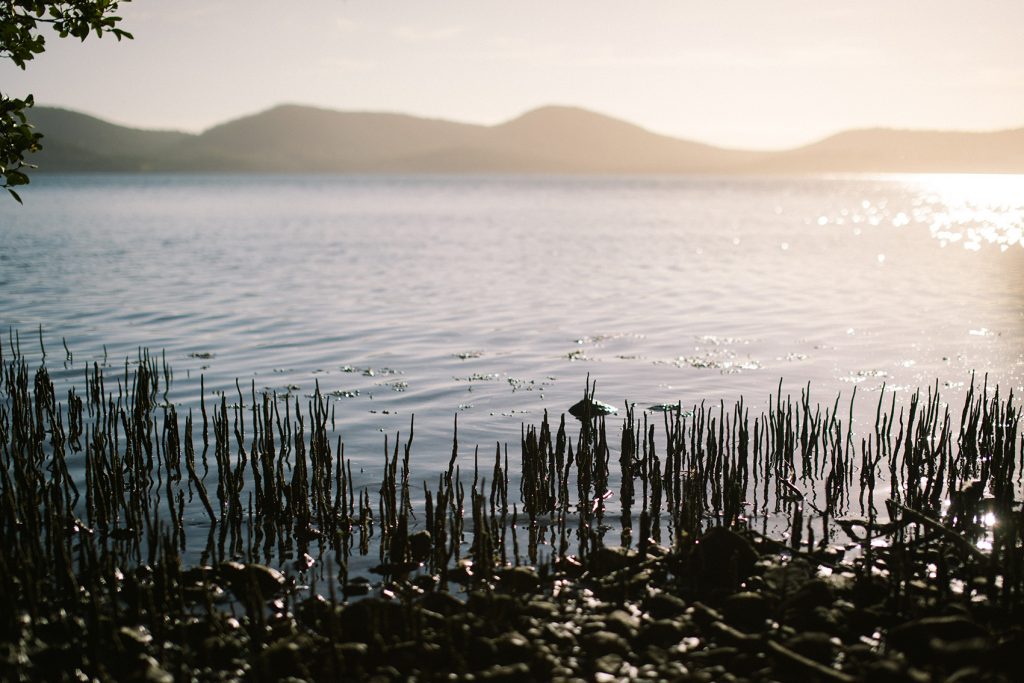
(743, 73)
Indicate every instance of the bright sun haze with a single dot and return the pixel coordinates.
(740, 74)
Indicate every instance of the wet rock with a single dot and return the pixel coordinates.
(787, 579)
(816, 645)
(352, 652)
(746, 611)
(496, 607)
(600, 643)
(303, 562)
(198, 574)
(974, 674)
(284, 657)
(373, 617)
(408, 654)
(624, 585)
(1007, 651)
(482, 652)
(868, 590)
(664, 605)
(512, 647)
(622, 623)
(221, 651)
(606, 559)
(134, 639)
(385, 673)
(427, 582)
(608, 664)
(813, 593)
(558, 635)
(249, 581)
(357, 587)
(507, 673)
(914, 637)
(569, 566)
(520, 580)
(714, 657)
(541, 609)
(829, 621)
(962, 653)
(723, 557)
(462, 572)
(150, 671)
(443, 603)
(662, 632)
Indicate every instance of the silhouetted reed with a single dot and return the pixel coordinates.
(279, 491)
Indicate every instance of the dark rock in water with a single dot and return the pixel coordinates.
(520, 580)
(197, 574)
(304, 562)
(723, 557)
(421, 544)
(357, 587)
(245, 578)
(569, 566)
(591, 408)
(443, 603)
(607, 559)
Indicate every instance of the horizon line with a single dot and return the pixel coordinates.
(522, 113)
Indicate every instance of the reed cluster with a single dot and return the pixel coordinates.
(116, 510)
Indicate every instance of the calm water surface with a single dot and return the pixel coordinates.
(493, 298)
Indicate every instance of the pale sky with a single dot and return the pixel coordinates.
(739, 73)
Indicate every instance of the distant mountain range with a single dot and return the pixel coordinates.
(293, 139)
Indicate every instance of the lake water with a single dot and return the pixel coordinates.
(493, 298)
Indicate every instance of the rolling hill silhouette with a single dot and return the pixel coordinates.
(293, 138)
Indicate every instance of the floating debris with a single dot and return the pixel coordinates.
(669, 408)
(479, 377)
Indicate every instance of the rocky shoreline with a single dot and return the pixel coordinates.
(722, 608)
(100, 494)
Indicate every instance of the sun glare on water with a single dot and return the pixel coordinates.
(971, 210)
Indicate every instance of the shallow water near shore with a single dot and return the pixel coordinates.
(493, 298)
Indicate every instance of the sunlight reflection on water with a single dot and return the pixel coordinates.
(495, 297)
(971, 210)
